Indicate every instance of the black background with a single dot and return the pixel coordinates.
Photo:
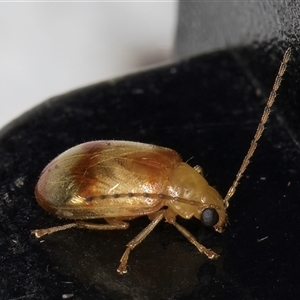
(206, 108)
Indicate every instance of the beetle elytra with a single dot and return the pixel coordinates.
(119, 181)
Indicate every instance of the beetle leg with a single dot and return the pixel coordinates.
(171, 218)
(122, 269)
(199, 169)
(209, 253)
(40, 232)
(113, 224)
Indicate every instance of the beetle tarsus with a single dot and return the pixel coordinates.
(38, 233)
(122, 269)
(211, 254)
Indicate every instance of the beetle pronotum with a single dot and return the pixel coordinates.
(119, 181)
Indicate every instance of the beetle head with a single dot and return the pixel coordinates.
(213, 212)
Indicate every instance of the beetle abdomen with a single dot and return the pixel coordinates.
(106, 169)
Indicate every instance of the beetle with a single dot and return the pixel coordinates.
(120, 180)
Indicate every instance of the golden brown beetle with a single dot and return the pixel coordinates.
(119, 181)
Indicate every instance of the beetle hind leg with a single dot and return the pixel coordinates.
(41, 232)
(113, 224)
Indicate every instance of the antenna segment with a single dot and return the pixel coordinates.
(260, 127)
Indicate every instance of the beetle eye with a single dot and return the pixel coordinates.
(209, 217)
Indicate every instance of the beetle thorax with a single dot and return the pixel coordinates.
(188, 184)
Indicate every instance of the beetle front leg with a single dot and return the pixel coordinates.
(171, 218)
(209, 253)
(122, 269)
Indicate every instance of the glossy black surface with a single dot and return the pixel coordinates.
(206, 108)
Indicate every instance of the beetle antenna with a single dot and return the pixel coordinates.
(260, 127)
